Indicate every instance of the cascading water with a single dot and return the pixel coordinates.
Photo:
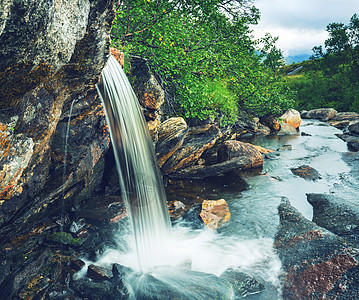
(181, 262)
(140, 180)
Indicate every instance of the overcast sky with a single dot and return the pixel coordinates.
(300, 24)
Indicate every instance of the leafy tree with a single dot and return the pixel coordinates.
(332, 76)
(202, 52)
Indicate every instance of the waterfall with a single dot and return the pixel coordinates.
(140, 179)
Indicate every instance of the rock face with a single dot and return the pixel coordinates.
(317, 264)
(323, 114)
(292, 118)
(51, 53)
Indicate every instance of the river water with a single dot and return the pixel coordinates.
(253, 196)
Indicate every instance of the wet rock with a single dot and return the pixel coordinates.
(338, 215)
(236, 149)
(244, 125)
(344, 119)
(262, 129)
(215, 213)
(120, 271)
(243, 283)
(354, 129)
(263, 150)
(292, 118)
(197, 140)
(323, 114)
(205, 171)
(286, 129)
(77, 264)
(315, 261)
(171, 134)
(305, 134)
(89, 289)
(306, 172)
(176, 209)
(271, 122)
(98, 273)
(285, 148)
(180, 284)
(352, 141)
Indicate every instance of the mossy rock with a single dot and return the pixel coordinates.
(65, 238)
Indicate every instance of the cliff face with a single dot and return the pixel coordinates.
(51, 55)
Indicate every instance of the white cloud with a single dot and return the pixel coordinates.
(300, 24)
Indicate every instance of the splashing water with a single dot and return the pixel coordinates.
(140, 180)
(178, 258)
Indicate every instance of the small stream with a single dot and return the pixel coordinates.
(253, 197)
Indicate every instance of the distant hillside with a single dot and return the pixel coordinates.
(296, 58)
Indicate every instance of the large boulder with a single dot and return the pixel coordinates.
(291, 117)
(340, 216)
(197, 140)
(234, 149)
(317, 264)
(323, 114)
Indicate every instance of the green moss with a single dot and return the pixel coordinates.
(65, 238)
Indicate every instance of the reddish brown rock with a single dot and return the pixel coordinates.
(120, 56)
(215, 213)
(317, 264)
(306, 172)
(291, 117)
(234, 149)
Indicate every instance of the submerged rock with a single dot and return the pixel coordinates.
(323, 114)
(317, 264)
(306, 172)
(179, 283)
(215, 213)
(292, 118)
(243, 283)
